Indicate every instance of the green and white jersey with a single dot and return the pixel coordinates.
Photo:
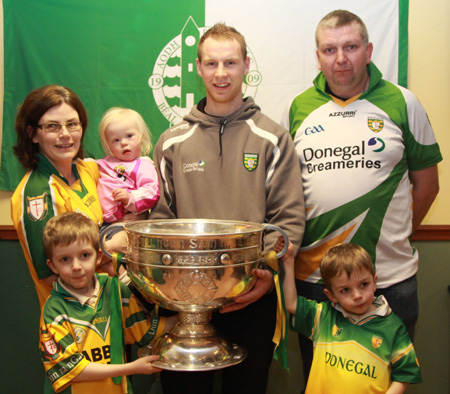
(369, 353)
(72, 335)
(355, 158)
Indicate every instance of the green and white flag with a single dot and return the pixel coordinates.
(141, 54)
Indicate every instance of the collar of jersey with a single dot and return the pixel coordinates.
(44, 166)
(81, 298)
(381, 309)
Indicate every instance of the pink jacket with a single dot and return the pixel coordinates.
(138, 177)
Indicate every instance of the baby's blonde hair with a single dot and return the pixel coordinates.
(115, 114)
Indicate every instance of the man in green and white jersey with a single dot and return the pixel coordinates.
(369, 159)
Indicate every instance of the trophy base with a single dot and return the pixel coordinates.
(194, 347)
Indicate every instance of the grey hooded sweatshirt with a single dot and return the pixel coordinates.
(239, 167)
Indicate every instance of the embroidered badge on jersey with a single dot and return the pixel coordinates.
(251, 161)
(37, 207)
(376, 341)
(376, 125)
(80, 334)
(336, 332)
(52, 349)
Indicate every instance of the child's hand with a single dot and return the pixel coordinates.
(170, 322)
(142, 365)
(107, 267)
(121, 195)
(288, 257)
(279, 245)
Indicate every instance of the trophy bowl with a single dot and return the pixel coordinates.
(194, 267)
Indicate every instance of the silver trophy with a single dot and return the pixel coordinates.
(194, 267)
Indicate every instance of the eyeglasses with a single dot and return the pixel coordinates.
(56, 127)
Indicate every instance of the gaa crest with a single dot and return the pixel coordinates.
(37, 207)
(175, 83)
(196, 288)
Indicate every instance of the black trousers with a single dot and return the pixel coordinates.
(252, 328)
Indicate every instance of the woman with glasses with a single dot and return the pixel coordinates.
(50, 127)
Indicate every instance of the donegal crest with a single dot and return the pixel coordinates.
(376, 342)
(250, 161)
(376, 125)
(37, 207)
(336, 331)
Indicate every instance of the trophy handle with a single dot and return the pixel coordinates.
(107, 233)
(286, 239)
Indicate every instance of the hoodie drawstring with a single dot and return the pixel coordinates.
(223, 122)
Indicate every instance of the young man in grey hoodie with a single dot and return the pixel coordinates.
(228, 161)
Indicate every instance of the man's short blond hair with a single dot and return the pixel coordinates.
(64, 229)
(340, 18)
(220, 31)
(346, 257)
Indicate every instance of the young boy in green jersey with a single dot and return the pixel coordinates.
(89, 317)
(360, 346)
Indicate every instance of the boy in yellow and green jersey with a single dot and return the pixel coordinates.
(360, 345)
(89, 317)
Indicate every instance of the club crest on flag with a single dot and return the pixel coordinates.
(376, 341)
(37, 207)
(175, 83)
(250, 161)
(376, 125)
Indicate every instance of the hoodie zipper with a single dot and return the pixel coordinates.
(223, 122)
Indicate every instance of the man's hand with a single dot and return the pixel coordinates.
(263, 284)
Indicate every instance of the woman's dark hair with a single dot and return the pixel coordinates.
(36, 104)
